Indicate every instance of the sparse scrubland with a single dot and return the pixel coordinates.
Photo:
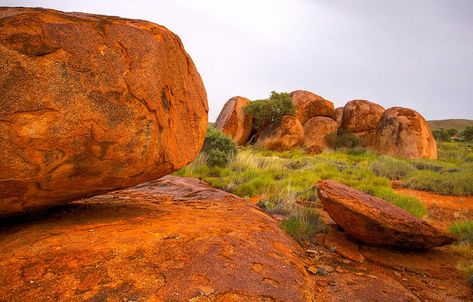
(284, 181)
(464, 231)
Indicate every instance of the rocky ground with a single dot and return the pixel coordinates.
(177, 239)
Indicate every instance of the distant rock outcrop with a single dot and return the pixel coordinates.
(286, 135)
(233, 121)
(404, 132)
(315, 132)
(309, 105)
(375, 221)
(90, 104)
(360, 118)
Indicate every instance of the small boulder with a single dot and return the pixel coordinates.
(404, 132)
(339, 116)
(233, 121)
(288, 134)
(375, 221)
(309, 105)
(315, 131)
(361, 117)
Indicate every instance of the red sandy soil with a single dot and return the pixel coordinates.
(177, 239)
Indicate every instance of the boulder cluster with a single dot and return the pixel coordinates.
(397, 131)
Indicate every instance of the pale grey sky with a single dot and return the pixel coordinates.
(412, 53)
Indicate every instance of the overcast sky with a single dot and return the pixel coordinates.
(411, 53)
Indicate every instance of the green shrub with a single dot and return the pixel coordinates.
(463, 230)
(391, 168)
(407, 203)
(343, 140)
(303, 224)
(218, 148)
(467, 134)
(271, 110)
(458, 183)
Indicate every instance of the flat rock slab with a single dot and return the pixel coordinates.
(172, 239)
(375, 221)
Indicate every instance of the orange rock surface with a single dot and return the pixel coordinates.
(339, 116)
(375, 221)
(283, 136)
(309, 105)
(405, 133)
(233, 121)
(91, 104)
(315, 132)
(361, 117)
(172, 239)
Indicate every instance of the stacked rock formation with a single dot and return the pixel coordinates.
(91, 104)
(397, 131)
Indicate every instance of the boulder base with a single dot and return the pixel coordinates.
(90, 104)
(233, 121)
(288, 134)
(375, 221)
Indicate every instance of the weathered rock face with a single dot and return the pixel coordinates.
(233, 121)
(361, 117)
(375, 221)
(403, 132)
(309, 105)
(90, 104)
(339, 116)
(315, 131)
(286, 135)
(147, 244)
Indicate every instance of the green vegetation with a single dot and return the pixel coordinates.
(463, 230)
(218, 148)
(442, 135)
(282, 178)
(343, 140)
(303, 224)
(270, 110)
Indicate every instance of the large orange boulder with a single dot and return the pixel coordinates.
(90, 104)
(233, 121)
(315, 133)
(404, 132)
(288, 134)
(361, 117)
(309, 105)
(375, 221)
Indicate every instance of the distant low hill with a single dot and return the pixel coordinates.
(459, 124)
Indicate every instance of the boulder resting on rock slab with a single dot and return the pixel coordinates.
(233, 121)
(90, 104)
(375, 221)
